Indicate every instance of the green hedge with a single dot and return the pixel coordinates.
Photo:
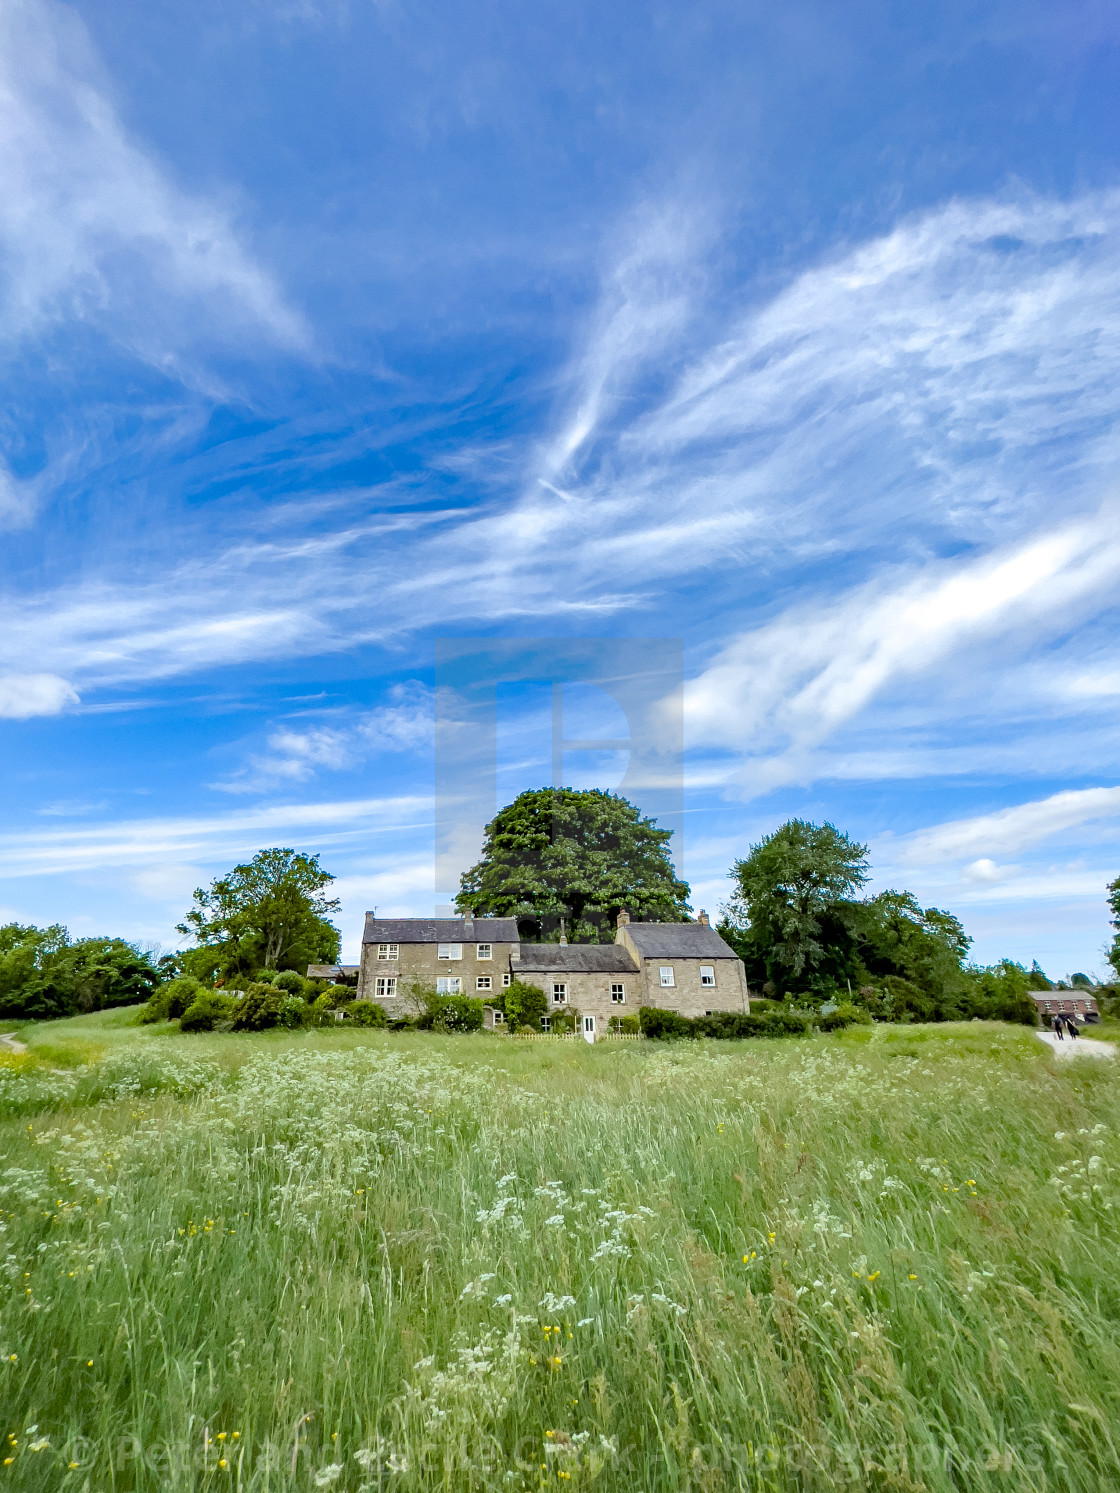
(727, 1024)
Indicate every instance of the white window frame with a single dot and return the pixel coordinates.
(546, 1023)
(499, 1016)
(449, 985)
(447, 951)
(388, 951)
(559, 992)
(506, 979)
(618, 994)
(707, 974)
(482, 982)
(484, 951)
(386, 987)
(668, 978)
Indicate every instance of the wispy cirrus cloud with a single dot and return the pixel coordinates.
(898, 417)
(94, 229)
(1010, 831)
(199, 838)
(777, 693)
(405, 723)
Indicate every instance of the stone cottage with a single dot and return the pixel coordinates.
(683, 967)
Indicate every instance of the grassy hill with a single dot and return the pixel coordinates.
(883, 1259)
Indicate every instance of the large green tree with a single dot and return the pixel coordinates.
(789, 890)
(270, 913)
(1114, 904)
(581, 855)
(45, 973)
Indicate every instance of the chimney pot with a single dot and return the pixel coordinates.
(623, 919)
(703, 918)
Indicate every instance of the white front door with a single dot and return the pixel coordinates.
(589, 1028)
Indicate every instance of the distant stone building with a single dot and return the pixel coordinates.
(1077, 1003)
(684, 967)
(338, 974)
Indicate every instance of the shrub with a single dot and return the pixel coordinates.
(263, 1007)
(846, 1014)
(724, 1024)
(365, 1013)
(323, 1009)
(170, 1001)
(295, 984)
(525, 1005)
(563, 1019)
(458, 1013)
(659, 1023)
(629, 1026)
(207, 1010)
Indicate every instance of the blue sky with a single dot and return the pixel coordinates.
(333, 327)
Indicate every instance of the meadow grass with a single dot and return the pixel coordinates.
(884, 1259)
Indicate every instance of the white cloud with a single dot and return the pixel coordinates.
(25, 695)
(205, 838)
(93, 228)
(405, 724)
(1007, 831)
(936, 392)
(787, 686)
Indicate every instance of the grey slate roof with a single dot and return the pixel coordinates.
(574, 958)
(679, 941)
(440, 930)
(330, 971)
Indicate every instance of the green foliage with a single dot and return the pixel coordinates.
(294, 983)
(786, 893)
(263, 1006)
(628, 1026)
(846, 1014)
(171, 1000)
(583, 856)
(366, 1014)
(209, 1009)
(563, 1020)
(458, 1013)
(525, 1005)
(270, 912)
(44, 973)
(1001, 993)
(1037, 978)
(666, 1025)
(1114, 907)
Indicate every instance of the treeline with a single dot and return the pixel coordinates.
(807, 938)
(45, 973)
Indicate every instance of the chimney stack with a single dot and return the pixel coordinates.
(623, 919)
(563, 935)
(703, 918)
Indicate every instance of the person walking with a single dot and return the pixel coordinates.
(1071, 1025)
(1056, 1025)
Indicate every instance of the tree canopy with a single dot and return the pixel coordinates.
(1114, 904)
(270, 913)
(581, 855)
(785, 889)
(45, 973)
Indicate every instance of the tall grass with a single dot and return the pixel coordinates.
(884, 1260)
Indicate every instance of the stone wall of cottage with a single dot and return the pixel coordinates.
(418, 962)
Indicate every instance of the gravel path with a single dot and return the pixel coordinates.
(12, 1044)
(1077, 1047)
